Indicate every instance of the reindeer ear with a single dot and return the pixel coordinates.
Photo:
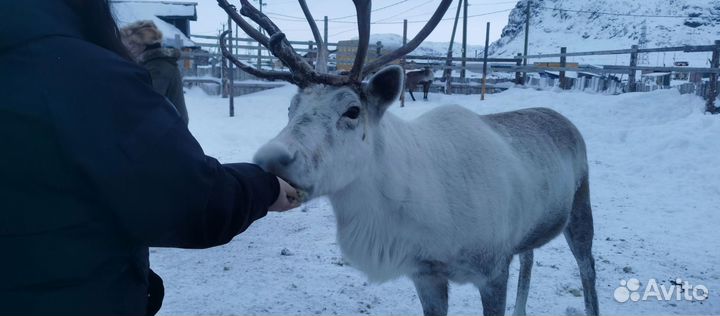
(384, 88)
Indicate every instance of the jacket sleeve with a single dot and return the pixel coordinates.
(145, 167)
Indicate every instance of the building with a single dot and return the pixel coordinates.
(172, 18)
(346, 51)
(658, 78)
(681, 75)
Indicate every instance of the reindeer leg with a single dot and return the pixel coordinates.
(431, 284)
(579, 235)
(494, 291)
(526, 263)
(426, 89)
(411, 94)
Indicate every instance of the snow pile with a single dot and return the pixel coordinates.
(655, 189)
(697, 23)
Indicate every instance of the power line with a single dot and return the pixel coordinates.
(298, 19)
(288, 17)
(375, 10)
(419, 21)
(406, 11)
(344, 31)
(448, 19)
(616, 14)
(492, 3)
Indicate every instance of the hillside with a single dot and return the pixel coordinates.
(584, 25)
(426, 48)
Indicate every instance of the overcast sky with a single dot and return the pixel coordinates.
(287, 15)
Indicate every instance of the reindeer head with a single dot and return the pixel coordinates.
(328, 141)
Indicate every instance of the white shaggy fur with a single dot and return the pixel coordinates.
(451, 195)
(445, 182)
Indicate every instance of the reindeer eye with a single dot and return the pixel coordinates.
(353, 112)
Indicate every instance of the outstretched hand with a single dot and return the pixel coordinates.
(288, 198)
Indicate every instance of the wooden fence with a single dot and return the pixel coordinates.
(709, 89)
(205, 61)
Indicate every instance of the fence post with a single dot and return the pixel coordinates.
(326, 50)
(223, 74)
(563, 63)
(713, 84)
(325, 30)
(518, 75)
(484, 79)
(231, 74)
(259, 56)
(402, 64)
(631, 74)
(309, 59)
(464, 42)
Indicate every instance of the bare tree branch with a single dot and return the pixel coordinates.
(265, 74)
(412, 44)
(362, 9)
(321, 62)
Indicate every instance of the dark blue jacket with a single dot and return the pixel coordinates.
(95, 167)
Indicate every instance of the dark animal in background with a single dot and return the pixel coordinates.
(424, 77)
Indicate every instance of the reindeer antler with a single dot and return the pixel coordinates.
(362, 9)
(301, 73)
(266, 74)
(412, 44)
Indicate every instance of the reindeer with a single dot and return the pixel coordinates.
(424, 77)
(449, 196)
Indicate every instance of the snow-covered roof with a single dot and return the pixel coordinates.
(129, 11)
(163, 8)
(656, 74)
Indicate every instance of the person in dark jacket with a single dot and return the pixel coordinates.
(95, 167)
(144, 42)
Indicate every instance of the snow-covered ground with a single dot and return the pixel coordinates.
(655, 185)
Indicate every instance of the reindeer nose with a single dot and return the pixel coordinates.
(273, 158)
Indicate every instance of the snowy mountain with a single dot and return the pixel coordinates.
(439, 49)
(582, 25)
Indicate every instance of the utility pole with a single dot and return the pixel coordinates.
(713, 83)
(632, 87)
(464, 43)
(527, 31)
(231, 75)
(259, 56)
(325, 30)
(402, 61)
(487, 43)
(326, 49)
(447, 74)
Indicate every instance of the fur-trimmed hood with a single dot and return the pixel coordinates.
(158, 53)
(138, 35)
